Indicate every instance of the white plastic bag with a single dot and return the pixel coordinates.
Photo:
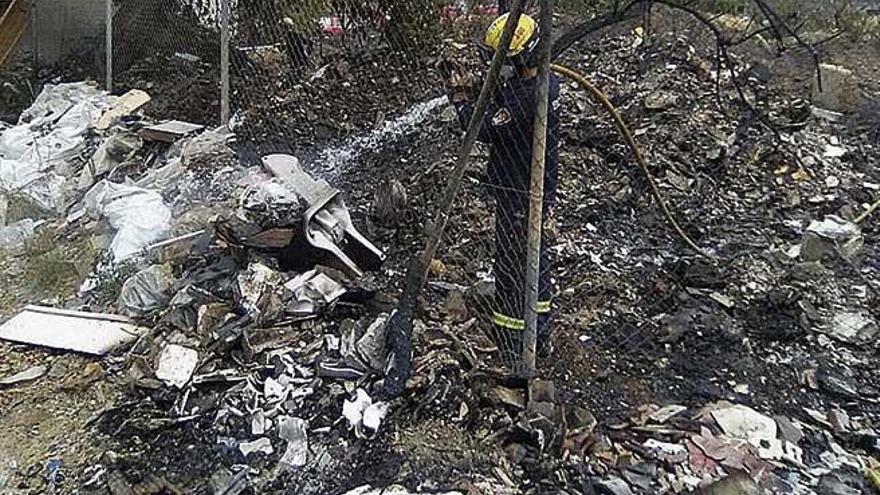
(35, 155)
(139, 216)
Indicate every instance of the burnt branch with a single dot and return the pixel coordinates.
(780, 26)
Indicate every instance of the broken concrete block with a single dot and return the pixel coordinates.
(839, 91)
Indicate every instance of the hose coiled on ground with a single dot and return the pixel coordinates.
(599, 97)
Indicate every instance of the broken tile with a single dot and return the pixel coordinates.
(176, 365)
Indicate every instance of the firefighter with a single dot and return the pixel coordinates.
(508, 128)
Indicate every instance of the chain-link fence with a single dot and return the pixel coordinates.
(345, 85)
(357, 90)
(47, 39)
(341, 84)
(171, 50)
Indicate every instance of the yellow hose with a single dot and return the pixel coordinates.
(603, 101)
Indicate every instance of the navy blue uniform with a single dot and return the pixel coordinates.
(508, 128)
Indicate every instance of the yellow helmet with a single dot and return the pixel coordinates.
(525, 38)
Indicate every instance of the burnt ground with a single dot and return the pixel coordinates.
(640, 320)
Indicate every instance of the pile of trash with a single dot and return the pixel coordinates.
(251, 280)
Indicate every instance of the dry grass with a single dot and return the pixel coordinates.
(46, 269)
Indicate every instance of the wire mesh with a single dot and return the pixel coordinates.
(357, 90)
(294, 62)
(61, 32)
(171, 50)
(48, 41)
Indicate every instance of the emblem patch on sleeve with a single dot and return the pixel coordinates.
(501, 117)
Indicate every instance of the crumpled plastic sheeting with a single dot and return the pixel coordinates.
(146, 291)
(35, 153)
(163, 177)
(43, 188)
(139, 216)
(65, 99)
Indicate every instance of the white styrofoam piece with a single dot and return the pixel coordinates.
(91, 333)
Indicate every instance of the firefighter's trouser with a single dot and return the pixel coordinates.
(511, 249)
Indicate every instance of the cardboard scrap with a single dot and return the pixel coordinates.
(125, 105)
(170, 131)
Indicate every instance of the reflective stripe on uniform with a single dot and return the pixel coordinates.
(508, 322)
(512, 323)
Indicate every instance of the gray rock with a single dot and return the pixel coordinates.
(837, 484)
(831, 235)
(788, 431)
(612, 486)
(852, 327)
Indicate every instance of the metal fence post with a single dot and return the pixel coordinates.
(536, 194)
(35, 38)
(400, 325)
(224, 62)
(108, 44)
